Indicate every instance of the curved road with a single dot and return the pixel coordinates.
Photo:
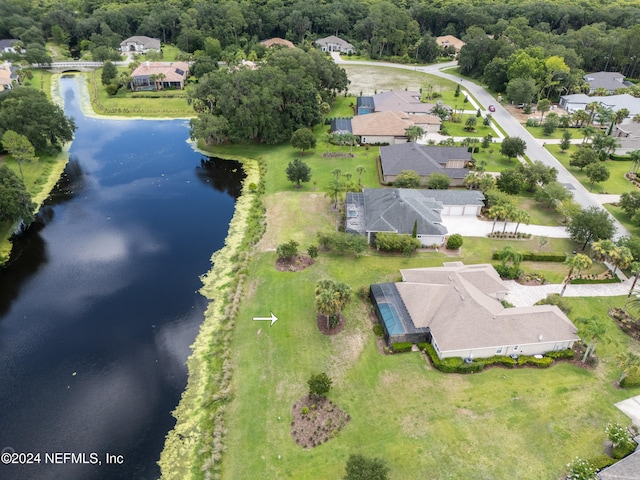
(510, 125)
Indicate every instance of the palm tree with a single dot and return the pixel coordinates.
(508, 215)
(635, 161)
(331, 298)
(591, 108)
(578, 262)
(520, 216)
(635, 270)
(333, 190)
(636, 118)
(592, 331)
(160, 77)
(497, 212)
(414, 132)
(622, 259)
(580, 117)
(629, 363)
(336, 172)
(588, 132)
(508, 255)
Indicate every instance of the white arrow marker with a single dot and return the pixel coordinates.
(273, 319)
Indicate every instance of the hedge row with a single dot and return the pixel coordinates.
(458, 365)
(588, 281)
(401, 347)
(536, 257)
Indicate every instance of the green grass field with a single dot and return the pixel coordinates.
(457, 129)
(557, 134)
(616, 182)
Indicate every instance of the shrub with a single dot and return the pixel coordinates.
(343, 243)
(508, 272)
(581, 469)
(555, 299)
(454, 241)
(500, 360)
(543, 362)
(401, 347)
(537, 257)
(319, 384)
(312, 251)
(630, 381)
(568, 354)
(393, 242)
(378, 330)
(287, 250)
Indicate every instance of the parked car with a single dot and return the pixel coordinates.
(492, 108)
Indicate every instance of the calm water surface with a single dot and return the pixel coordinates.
(100, 304)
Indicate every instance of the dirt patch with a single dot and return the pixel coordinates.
(626, 322)
(294, 264)
(315, 421)
(327, 329)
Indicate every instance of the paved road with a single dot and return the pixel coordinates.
(535, 151)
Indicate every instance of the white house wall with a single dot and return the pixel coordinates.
(529, 349)
(428, 240)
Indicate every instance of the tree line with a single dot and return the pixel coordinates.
(590, 35)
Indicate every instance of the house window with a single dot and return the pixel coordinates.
(499, 350)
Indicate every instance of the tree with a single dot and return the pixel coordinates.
(333, 191)
(629, 363)
(596, 173)
(319, 385)
(303, 139)
(590, 225)
(578, 263)
(552, 194)
(510, 181)
(360, 467)
(414, 132)
(521, 90)
(48, 128)
(499, 212)
(287, 250)
(543, 107)
(331, 298)
(213, 129)
(592, 331)
(470, 124)
(407, 179)
(520, 216)
(109, 72)
(360, 170)
(15, 201)
(454, 241)
(19, 148)
(298, 171)
(510, 257)
(537, 174)
(635, 270)
(565, 143)
(438, 181)
(582, 157)
(512, 147)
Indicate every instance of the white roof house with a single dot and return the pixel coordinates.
(140, 44)
(460, 308)
(579, 101)
(610, 81)
(334, 44)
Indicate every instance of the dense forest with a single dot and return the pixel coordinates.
(590, 35)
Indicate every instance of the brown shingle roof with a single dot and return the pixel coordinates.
(270, 42)
(171, 70)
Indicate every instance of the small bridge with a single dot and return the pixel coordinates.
(75, 66)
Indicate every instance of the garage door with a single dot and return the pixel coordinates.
(456, 210)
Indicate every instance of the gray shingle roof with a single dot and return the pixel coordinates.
(7, 42)
(610, 81)
(423, 159)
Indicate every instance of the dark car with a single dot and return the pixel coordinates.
(492, 108)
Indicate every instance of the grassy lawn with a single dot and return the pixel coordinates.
(424, 423)
(457, 129)
(41, 81)
(539, 214)
(495, 161)
(170, 103)
(622, 217)
(537, 133)
(616, 183)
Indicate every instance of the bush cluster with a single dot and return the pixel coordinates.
(393, 242)
(555, 299)
(458, 365)
(630, 381)
(342, 243)
(378, 330)
(401, 347)
(586, 281)
(509, 235)
(537, 257)
(454, 241)
(505, 271)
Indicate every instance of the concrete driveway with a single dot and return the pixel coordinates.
(631, 408)
(469, 226)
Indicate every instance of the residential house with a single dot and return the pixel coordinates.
(425, 160)
(579, 101)
(450, 42)
(6, 77)
(160, 75)
(8, 45)
(277, 42)
(391, 127)
(341, 126)
(407, 101)
(628, 136)
(140, 44)
(334, 44)
(397, 210)
(458, 309)
(365, 105)
(626, 469)
(610, 81)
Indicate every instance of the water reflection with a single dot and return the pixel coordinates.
(99, 305)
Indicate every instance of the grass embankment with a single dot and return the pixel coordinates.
(160, 104)
(616, 183)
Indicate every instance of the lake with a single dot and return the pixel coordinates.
(100, 302)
